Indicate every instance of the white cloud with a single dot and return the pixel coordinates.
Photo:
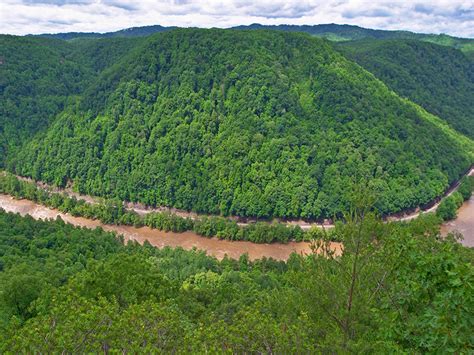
(455, 17)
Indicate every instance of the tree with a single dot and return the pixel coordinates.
(466, 187)
(447, 209)
(343, 288)
(21, 285)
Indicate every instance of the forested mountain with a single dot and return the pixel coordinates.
(342, 33)
(440, 79)
(251, 123)
(73, 290)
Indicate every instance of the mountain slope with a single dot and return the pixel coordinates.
(440, 79)
(249, 123)
(39, 77)
(99, 54)
(36, 79)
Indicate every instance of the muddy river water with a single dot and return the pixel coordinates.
(186, 240)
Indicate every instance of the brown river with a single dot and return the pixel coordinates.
(464, 222)
(187, 240)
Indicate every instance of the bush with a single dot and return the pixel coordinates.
(447, 209)
(466, 187)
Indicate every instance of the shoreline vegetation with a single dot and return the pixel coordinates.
(116, 212)
(448, 207)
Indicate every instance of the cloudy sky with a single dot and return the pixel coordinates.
(455, 17)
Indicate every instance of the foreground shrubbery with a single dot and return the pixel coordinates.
(113, 212)
(397, 288)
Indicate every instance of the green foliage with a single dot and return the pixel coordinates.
(447, 209)
(438, 78)
(37, 80)
(466, 187)
(396, 288)
(248, 123)
(168, 222)
(431, 317)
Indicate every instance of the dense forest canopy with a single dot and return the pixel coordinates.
(440, 79)
(36, 81)
(40, 77)
(250, 123)
(66, 289)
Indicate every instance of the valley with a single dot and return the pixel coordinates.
(258, 189)
(278, 125)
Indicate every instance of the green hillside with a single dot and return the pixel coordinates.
(250, 123)
(36, 80)
(440, 79)
(40, 77)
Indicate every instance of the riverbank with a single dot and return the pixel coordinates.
(143, 210)
(187, 240)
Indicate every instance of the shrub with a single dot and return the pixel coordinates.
(447, 209)
(466, 187)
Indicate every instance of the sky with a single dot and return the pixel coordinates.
(454, 17)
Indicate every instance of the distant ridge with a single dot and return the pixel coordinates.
(333, 32)
(127, 32)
